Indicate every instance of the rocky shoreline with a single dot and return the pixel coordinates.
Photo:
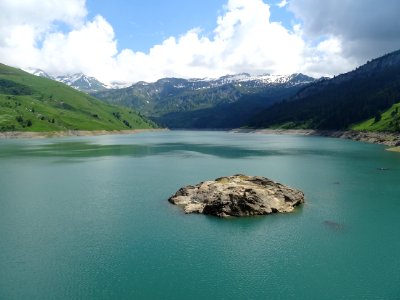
(55, 134)
(389, 139)
(237, 196)
(383, 138)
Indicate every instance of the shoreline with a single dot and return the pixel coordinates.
(57, 134)
(389, 139)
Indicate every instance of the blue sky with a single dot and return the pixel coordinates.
(139, 25)
(145, 23)
(137, 40)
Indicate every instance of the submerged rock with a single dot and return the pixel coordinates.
(238, 195)
(333, 225)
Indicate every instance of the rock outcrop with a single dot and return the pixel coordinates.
(238, 195)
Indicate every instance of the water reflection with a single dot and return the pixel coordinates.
(87, 149)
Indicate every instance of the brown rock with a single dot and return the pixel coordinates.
(238, 195)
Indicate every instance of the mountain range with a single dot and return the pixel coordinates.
(367, 98)
(225, 102)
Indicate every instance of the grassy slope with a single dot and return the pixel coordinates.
(390, 121)
(31, 103)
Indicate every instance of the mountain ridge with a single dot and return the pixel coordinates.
(194, 103)
(90, 84)
(342, 102)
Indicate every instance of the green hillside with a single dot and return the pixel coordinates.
(387, 121)
(32, 103)
(364, 99)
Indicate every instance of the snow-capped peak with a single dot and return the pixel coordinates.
(89, 84)
(82, 82)
(77, 81)
(260, 80)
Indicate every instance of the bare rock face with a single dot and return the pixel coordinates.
(238, 195)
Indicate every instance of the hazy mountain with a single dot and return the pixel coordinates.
(81, 82)
(38, 72)
(344, 101)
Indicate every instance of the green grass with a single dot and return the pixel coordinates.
(389, 121)
(32, 103)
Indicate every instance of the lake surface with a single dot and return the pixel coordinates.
(88, 218)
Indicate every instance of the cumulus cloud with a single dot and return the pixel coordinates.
(326, 58)
(25, 23)
(366, 29)
(40, 14)
(89, 48)
(244, 40)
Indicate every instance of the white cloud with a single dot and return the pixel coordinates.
(39, 15)
(244, 40)
(283, 3)
(89, 49)
(326, 58)
(24, 24)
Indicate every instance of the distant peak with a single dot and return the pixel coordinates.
(37, 72)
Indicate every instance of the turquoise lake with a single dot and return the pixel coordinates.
(88, 218)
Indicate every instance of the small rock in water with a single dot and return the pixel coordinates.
(237, 195)
(382, 169)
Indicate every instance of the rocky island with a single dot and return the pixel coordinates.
(237, 195)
